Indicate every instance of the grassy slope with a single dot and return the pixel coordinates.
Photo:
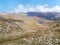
(33, 33)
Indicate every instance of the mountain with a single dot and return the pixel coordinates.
(46, 15)
(24, 29)
(17, 26)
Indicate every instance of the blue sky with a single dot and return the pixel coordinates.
(13, 5)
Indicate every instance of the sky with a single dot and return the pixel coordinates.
(29, 5)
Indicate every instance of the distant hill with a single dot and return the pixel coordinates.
(46, 15)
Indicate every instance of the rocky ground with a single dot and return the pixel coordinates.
(23, 30)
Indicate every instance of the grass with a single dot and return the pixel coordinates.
(33, 34)
(39, 38)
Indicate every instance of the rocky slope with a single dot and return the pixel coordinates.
(25, 30)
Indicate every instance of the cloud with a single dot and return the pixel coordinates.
(38, 8)
(22, 8)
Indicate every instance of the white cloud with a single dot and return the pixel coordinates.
(22, 8)
(38, 8)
